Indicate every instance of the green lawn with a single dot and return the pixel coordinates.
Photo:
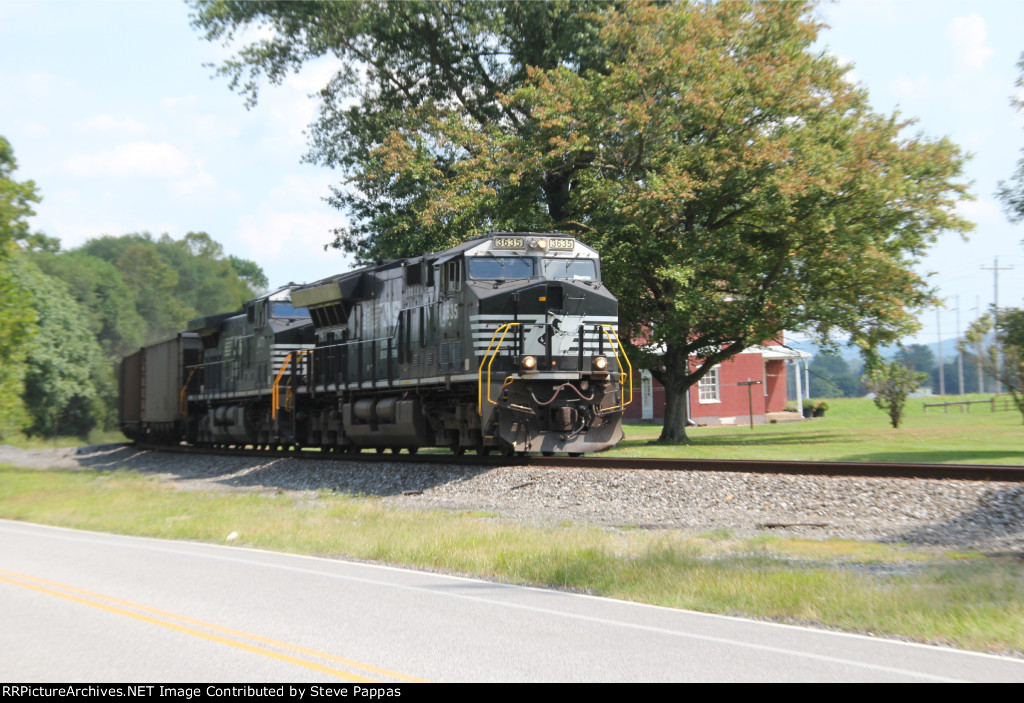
(853, 430)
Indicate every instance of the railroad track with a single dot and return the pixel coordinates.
(960, 472)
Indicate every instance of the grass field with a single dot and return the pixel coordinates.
(853, 429)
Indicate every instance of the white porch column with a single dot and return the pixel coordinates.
(799, 390)
(646, 395)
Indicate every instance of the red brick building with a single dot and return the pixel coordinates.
(752, 382)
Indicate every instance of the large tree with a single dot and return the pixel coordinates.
(170, 281)
(17, 320)
(736, 184)
(107, 302)
(1012, 192)
(1003, 360)
(403, 67)
(67, 379)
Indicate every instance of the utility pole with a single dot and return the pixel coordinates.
(995, 309)
(959, 351)
(942, 368)
(977, 348)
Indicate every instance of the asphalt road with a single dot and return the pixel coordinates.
(89, 607)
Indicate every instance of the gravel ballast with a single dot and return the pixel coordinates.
(971, 515)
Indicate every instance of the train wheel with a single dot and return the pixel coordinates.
(575, 454)
(413, 450)
(380, 450)
(548, 453)
(458, 450)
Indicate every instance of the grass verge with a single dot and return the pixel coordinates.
(965, 600)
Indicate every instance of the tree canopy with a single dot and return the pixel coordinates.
(16, 199)
(1003, 360)
(1012, 192)
(735, 183)
(17, 321)
(66, 317)
(170, 281)
(892, 383)
(831, 377)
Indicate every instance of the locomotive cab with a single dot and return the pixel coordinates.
(551, 370)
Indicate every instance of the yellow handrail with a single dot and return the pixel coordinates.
(182, 406)
(609, 332)
(275, 401)
(489, 362)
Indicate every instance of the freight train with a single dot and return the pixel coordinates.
(506, 343)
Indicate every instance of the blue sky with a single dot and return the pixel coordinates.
(112, 112)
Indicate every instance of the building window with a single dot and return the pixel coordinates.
(708, 387)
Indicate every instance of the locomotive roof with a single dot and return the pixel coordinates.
(211, 323)
(357, 284)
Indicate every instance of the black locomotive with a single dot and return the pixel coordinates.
(507, 342)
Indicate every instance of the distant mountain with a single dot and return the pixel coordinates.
(851, 353)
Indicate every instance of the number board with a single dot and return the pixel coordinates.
(561, 244)
(509, 243)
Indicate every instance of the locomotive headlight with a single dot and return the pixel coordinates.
(542, 244)
(528, 363)
(600, 363)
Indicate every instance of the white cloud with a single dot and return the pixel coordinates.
(273, 234)
(912, 87)
(34, 86)
(136, 159)
(302, 189)
(109, 123)
(314, 76)
(968, 35)
(981, 211)
(294, 105)
(212, 127)
(200, 183)
(289, 243)
(173, 103)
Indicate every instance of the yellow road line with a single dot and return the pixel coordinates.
(25, 581)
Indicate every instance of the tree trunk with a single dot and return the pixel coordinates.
(673, 377)
(556, 192)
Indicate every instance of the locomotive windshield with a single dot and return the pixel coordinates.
(287, 310)
(573, 269)
(503, 267)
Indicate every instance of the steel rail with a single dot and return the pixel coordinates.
(960, 472)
